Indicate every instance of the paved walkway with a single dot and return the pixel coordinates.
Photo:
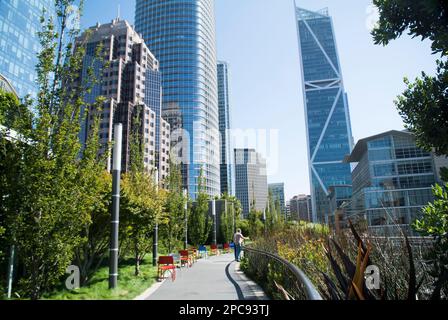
(215, 278)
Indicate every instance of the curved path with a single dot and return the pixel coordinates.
(214, 278)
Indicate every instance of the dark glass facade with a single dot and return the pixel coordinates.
(327, 116)
(181, 34)
(227, 179)
(19, 43)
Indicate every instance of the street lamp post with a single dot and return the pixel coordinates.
(116, 171)
(264, 221)
(11, 270)
(232, 205)
(186, 218)
(214, 221)
(155, 240)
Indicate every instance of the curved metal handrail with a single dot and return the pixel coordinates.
(310, 291)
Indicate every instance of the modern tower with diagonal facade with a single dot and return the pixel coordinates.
(327, 117)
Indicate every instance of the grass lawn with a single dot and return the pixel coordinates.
(129, 286)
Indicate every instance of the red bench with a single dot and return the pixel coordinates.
(166, 263)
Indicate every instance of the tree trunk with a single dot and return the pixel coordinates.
(137, 265)
(137, 260)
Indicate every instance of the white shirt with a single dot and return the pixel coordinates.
(238, 238)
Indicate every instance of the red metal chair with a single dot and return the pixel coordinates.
(166, 263)
(214, 249)
(185, 258)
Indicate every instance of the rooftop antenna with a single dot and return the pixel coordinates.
(118, 12)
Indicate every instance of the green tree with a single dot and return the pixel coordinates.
(424, 104)
(13, 113)
(92, 251)
(199, 222)
(227, 220)
(45, 206)
(96, 184)
(243, 224)
(274, 216)
(138, 214)
(52, 197)
(435, 223)
(173, 232)
(2, 256)
(256, 226)
(420, 18)
(444, 174)
(142, 203)
(424, 107)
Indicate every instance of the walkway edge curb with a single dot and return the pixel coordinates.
(257, 291)
(148, 292)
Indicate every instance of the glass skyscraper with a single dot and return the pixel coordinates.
(327, 115)
(19, 43)
(227, 171)
(251, 180)
(181, 34)
(392, 181)
(277, 191)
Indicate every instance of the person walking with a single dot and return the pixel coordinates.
(238, 240)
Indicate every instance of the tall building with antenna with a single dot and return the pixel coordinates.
(327, 116)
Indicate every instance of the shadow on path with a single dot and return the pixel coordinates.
(215, 278)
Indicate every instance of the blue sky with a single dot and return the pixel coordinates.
(258, 39)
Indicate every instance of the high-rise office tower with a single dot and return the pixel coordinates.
(327, 115)
(19, 42)
(153, 99)
(392, 181)
(277, 191)
(181, 34)
(250, 180)
(300, 208)
(227, 179)
(121, 74)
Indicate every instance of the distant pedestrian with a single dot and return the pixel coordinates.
(238, 240)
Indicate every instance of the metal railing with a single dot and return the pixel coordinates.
(295, 284)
